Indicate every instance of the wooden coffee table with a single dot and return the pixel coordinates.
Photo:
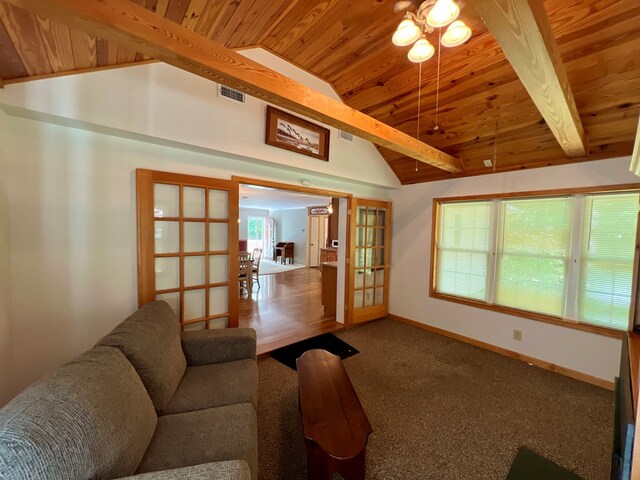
(336, 429)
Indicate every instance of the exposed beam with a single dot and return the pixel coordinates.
(523, 31)
(143, 31)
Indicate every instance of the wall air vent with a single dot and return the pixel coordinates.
(346, 136)
(231, 94)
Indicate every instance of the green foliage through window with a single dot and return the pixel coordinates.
(523, 253)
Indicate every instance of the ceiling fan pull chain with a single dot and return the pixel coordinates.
(436, 127)
(419, 104)
(495, 148)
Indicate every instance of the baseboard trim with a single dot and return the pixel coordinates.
(567, 372)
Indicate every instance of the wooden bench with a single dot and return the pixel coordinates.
(336, 429)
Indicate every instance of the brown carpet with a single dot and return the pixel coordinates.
(442, 409)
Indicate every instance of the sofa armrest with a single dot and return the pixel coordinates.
(204, 347)
(229, 470)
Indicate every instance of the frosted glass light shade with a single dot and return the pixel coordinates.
(443, 13)
(421, 51)
(456, 34)
(406, 33)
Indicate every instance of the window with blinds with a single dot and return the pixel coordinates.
(533, 251)
(606, 262)
(464, 249)
(569, 257)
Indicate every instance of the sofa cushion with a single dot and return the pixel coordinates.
(216, 385)
(202, 436)
(231, 470)
(91, 418)
(150, 339)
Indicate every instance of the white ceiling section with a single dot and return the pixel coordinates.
(271, 199)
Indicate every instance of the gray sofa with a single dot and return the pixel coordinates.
(147, 402)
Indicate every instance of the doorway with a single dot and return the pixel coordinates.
(317, 226)
(286, 304)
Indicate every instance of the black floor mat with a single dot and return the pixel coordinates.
(332, 344)
(529, 465)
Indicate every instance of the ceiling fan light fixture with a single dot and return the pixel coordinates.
(421, 51)
(406, 33)
(443, 13)
(456, 34)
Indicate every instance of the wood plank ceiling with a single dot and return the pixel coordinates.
(347, 43)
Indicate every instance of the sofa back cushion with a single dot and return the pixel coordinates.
(150, 339)
(91, 418)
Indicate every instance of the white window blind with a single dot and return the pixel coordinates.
(534, 242)
(570, 257)
(608, 247)
(463, 249)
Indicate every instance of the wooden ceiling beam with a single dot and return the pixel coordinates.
(143, 31)
(523, 31)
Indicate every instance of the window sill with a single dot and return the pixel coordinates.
(607, 332)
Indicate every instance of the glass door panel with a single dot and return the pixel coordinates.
(370, 259)
(187, 231)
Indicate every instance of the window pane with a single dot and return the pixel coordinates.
(462, 274)
(218, 204)
(167, 273)
(193, 206)
(608, 246)
(465, 226)
(167, 237)
(193, 236)
(218, 300)
(218, 268)
(218, 323)
(194, 304)
(537, 226)
(193, 271)
(533, 253)
(166, 200)
(218, 237)
(533, 284)
(464, 249)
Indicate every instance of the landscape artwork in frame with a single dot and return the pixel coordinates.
(296, 135)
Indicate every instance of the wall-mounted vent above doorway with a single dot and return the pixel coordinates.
(231, 94)
(346, 136)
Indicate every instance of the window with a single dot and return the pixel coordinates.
(255, 232)
(566, 256)
(464, 249)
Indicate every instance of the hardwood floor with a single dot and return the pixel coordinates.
(286, 309)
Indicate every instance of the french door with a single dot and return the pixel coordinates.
(370, 240)
(188, 247)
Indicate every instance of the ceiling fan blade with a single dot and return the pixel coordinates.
(402, 5)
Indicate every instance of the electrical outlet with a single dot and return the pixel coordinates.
(517, 335)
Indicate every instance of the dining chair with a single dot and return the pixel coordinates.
(256, 255)
(245, 274)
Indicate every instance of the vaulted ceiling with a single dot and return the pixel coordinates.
(347, 43)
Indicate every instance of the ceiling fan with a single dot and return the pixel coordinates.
(429, 15)
(403, 5)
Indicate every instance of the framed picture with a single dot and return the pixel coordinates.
(296, 135)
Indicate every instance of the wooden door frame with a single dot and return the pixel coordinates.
(237, 180)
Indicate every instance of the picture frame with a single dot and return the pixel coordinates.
(297, 135)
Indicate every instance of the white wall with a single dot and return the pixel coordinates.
(5, 275)
(409, 291)
(72, 230)
(291, 226)
(244, 215)
(164, 104)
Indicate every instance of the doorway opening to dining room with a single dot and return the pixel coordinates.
(292, 235)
